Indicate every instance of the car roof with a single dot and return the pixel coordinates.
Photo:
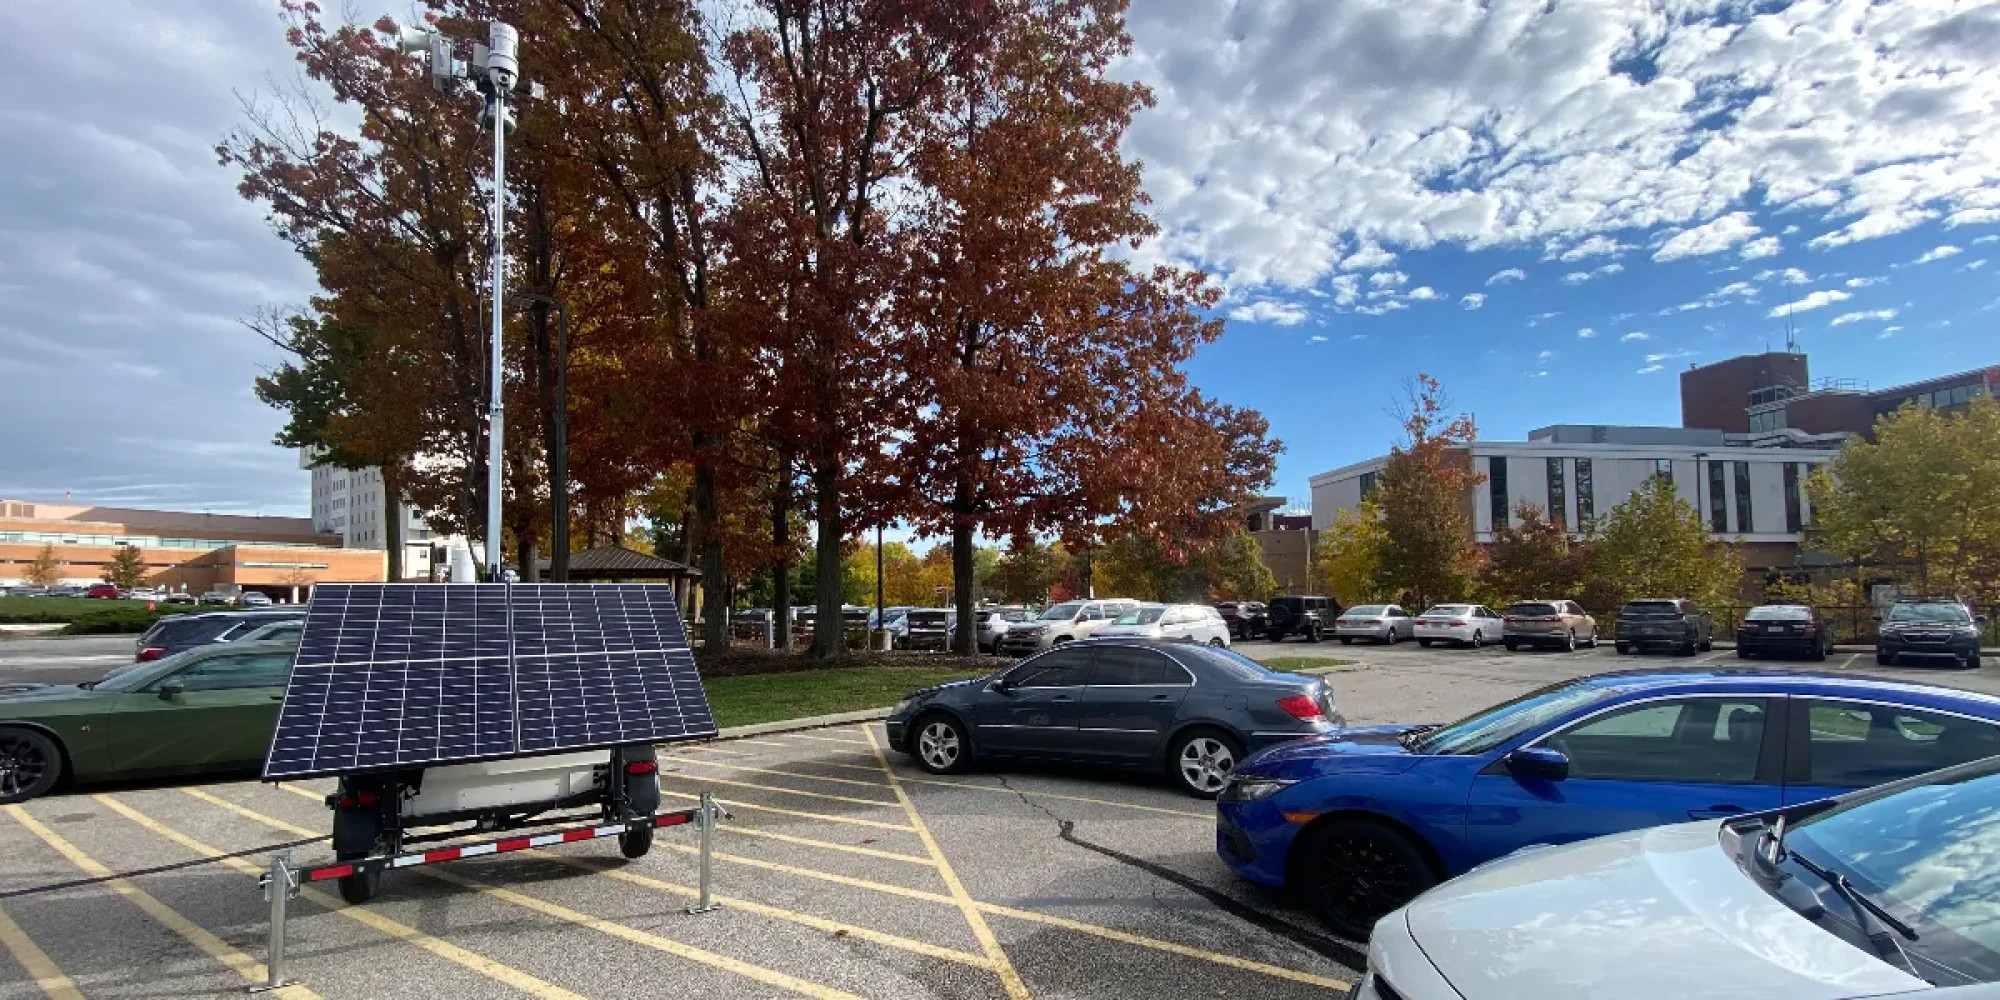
(1809, 682)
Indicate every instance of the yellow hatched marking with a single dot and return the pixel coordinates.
(214, 947)
(828, 739)
(782, 791)
(41, 969)
(487, 967)
(734, 804)
(828, 845)
(971, 786)
(788, 774)
(1002, 965)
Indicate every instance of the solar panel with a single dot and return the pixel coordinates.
(393, 676)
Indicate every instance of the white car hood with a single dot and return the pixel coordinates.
(1655, 913)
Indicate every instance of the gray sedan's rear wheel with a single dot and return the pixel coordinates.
(30, 764)
(940, 745)
(1201, 760)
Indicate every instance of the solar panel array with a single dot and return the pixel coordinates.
(405, 675)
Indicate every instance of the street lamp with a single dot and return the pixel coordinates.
(495, 71)
(559, 446)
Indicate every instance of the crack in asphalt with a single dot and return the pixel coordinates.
(1320, 944)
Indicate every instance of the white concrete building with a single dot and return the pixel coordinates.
(1753, 495)
(349, 503)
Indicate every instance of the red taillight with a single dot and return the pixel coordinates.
(356, 800)
(1810, 627)
(1510, 618)
(642, 767)
(1301, 707)
(151, 653)
(1460, 621)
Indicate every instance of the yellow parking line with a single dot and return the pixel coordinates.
(814, 873)
(41, 969)
(781, 790)
(947, 783)
(765, 743)
(249, 968)
(761, 909)
(487, 967)
(1851, 657)
(769, 977)
(734, 804)
(827, 739)
(789, 774)
(848, 848)
(1002, 965)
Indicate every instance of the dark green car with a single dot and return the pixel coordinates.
(207, 710)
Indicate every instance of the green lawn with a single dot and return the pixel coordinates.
(1290, 663)
(754, 698)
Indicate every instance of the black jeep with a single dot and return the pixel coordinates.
(1298, 614)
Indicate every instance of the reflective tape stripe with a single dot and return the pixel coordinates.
(550, 839)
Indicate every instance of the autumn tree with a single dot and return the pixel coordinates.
(1920, 502)
(45, 571)
(127, 568)
(1347, 559)
(1025, 574)
(1227, 568)
(1655, 545)
(1429, 554)
(1532, 557)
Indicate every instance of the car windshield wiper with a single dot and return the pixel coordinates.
(1886, 946)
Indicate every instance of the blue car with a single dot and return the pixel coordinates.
(1358, 822)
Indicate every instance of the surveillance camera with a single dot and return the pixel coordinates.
(503, 56)
(413, 41)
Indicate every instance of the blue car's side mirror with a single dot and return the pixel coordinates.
(1546, 763)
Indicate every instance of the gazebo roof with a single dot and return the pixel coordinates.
(612, 562)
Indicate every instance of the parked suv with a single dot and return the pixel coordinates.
(1671, 621)
(1547, 623)
(1063, 622)
(1298, 614)
(930, 628)
(1929, 627)
(1244, 618)
(994, 623)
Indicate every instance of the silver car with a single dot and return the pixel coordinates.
(994, 623)
(1384, 623)
(1558, 623)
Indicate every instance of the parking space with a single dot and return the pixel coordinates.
(843, 872)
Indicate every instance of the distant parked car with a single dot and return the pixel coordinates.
(1472, 625)
(1929, 628)
(1785, 630)
(1563, 624)
(930, 628)
(106, 591)
(1673, 622)
(218, 597)
(181, 598)
(1189, 710)
(175, 633)
(1173, 622)
(1244, 618)
(994, 623)
(1384, 623)
(1361, 821)
(1308, 615)
(254, 599)
(67, 590)
(1065, 622)
(143, 594)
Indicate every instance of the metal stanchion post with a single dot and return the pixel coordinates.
(703, 902)
(280, 884)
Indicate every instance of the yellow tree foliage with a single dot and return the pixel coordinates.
(1654, 545)
(1348, 560)
(45, 571)
(127, 569)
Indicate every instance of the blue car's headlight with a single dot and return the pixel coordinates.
(1253, 789)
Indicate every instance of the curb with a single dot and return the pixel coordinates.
(810, 722)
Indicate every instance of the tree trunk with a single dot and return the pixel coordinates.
(392, 521)
(781, 579)
(715, 613)
(531, 558)
(964, 638)
(829, 639)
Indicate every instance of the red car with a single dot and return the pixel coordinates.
(102, 590)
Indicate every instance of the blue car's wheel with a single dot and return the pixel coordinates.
(1352, 872)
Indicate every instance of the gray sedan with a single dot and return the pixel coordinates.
(1190, 711)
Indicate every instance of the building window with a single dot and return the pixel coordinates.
(1769, 420)
(1496, 483)
(1664, 468)
(1718, 501)
(1367, 484)
(1586, 495)
(1558, 499)
(1743, 522)
(1794, 520)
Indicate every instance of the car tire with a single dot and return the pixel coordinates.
(355, 833)
(1688, 648)
(1708, 645)
(635, 843)
(31, 762)
(1744, 654)
(1347, 640)
(1818, 653)
(1973, 662)
(1425, 643)
(1200, 760)
(1512, 645)
(1885, 659)
(1622, 648)
(940, 744)
(1569, 641)
(1312, 633)
(1478, 639)
(1217, 642)
(1352, 872)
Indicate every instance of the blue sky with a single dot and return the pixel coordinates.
(1361, 171)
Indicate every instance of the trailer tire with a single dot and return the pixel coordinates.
(355, 833)
(635, 843)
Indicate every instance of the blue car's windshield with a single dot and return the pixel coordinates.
(1931, 854)
(1488, 729)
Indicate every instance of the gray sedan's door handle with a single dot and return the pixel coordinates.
(1062, 697)
(1162, 697)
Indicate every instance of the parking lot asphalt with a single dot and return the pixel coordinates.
(62, 660)
(844, 871)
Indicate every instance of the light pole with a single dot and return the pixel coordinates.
(559, 447)
(495, 71)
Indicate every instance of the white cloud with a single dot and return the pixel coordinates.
(1670, 356)
(1973, 265)
(1472, 300)
(1579, 277)
(1972, 217)
(1865, 281)
(1650, 369)
(1714, 236)
(1938, 253)
(1728, 294)
(1268, 311)
(1576, 277)
(1317, 339)
(1813, 300)
(1422, 293)
(1545, 355)
(1635, 337)
(1857, 317)
(1542, 317)
(1387, 279)
(1595, 246)
(1989, 238)
(1586, 333)
(1888, 331)
(1886, 222)
(1789, 275)
(1510, 274)
(1367, 257)
(1757, 249)
(1382, 308)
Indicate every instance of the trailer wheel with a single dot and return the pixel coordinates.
(635, 843)
(355, 833)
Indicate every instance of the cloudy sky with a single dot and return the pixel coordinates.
(1552, 207)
